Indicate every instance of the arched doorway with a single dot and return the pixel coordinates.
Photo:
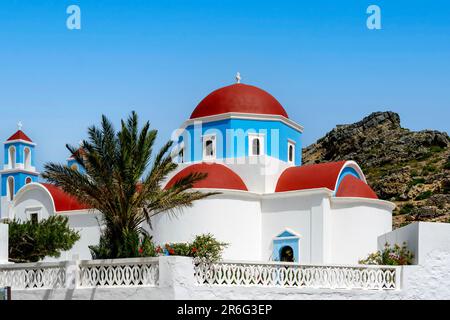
(287, 254)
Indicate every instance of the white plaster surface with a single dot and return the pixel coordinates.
(355, 227)
(3, 243)
(233, 219)
(421, 238)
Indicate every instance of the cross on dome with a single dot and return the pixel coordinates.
(19, 125)
(238, 77)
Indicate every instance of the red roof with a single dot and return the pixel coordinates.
(63, 201)
(323, 175)
(240, 98)
(219, 177)
(19, 135)
(351, 186)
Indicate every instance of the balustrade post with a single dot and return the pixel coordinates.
(72, 273)
(398, 277)
(177, 274)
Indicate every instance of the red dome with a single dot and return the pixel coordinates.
(240, 98)
(19, 135)
(351, 186)
(219, 177)
(323, 175)
(63, 201)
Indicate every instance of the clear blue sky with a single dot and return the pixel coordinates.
(161, 58)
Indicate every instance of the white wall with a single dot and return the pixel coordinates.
(297, 212)
(260, 174)
(233, 218)
(422, 239)
(34, 199)
(3, 243)
(356, 226)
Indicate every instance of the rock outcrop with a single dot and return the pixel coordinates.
(409, 168)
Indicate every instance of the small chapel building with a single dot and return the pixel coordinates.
(270, 207)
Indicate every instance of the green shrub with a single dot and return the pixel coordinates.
(33, 241)
(416, 181)
(407, 208)
(178, 249)
(447, 165)
(428, 169)
(133, 245)
(446, 186)
(390, 256)
(207, 247)
(424, 195)
(424, 156)
(436, 149)
(204, 246)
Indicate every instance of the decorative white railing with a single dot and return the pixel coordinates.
(33, 275)
(145, 272)
(297, 275)
(119, 272)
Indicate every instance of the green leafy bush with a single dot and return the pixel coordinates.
(32, 241)
(424, 195)
(390, 256)
(416, 181)
(414, 173)
(436, 149)
(407, 208)
(447, 166)
(133, 245)
(446, 186)
(428, 169)
(204, 246)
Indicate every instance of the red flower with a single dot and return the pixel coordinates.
(141, 250)
(194, 250)
(171, 251)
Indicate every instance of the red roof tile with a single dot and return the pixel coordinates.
(240, 98)
(219, 176)
(19, 135)
(62, 200)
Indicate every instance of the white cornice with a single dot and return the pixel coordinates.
(20, 141)
(78, 212)
(6, 171)
(245, 116)
(306, 192)
(362, 201)
(273, 195)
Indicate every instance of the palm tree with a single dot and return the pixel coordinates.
(120, 181)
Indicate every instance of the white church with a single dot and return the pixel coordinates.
(270, 206)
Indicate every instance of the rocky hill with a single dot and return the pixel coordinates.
(412, 169)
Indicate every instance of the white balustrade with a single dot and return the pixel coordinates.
(119, 272)
(145, 272)
(297, 275)
(33, 275)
